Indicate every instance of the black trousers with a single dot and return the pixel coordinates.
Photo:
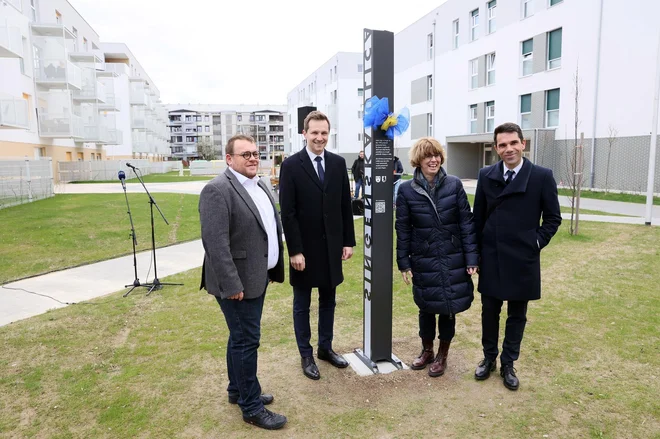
(446, 326)
(490, 328)
(302, 298)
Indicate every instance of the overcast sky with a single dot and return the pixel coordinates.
(241, 52)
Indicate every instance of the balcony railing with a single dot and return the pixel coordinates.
(97, 133)
(57, 72)
(14, 113)
(138, 97)
(61, 125)
(116, 137)
(91, 90)
(111, 103)
(11, 41)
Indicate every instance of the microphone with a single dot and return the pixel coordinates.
(122, 177)
(131, 166)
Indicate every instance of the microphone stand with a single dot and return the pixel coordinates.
(156, 284)
(136, 281)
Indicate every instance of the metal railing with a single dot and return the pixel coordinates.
(11, 39)
(24, 181)
(61, 125)
(14, 112)
(58, 71)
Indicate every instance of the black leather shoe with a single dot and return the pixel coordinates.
(332, 357)
(508, 372)
(484, 369)
(265, 398)
(309, 368)
(266, 419)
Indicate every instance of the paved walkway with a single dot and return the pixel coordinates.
(102, 278)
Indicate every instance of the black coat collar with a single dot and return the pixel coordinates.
(518, 185)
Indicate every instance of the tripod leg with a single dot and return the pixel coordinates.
(129, 291)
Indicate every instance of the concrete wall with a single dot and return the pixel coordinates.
(464, 159)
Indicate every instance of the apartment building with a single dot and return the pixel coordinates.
(215, 124)
(336, 89)
(471, 65)
(58, 99)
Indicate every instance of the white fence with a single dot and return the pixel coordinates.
(215, 167)
(104, 170)
(24, 181)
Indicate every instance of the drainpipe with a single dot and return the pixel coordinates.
(595, 120)
(536, 146)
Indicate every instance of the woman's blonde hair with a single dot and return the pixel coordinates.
(425, 147)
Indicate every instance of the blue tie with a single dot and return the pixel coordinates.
(509, 176)
(319, 168)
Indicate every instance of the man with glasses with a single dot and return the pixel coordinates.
(242, 238)
(315, 199)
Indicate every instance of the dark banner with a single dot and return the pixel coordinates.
(378, 211)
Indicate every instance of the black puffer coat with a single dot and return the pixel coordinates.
(436, 239)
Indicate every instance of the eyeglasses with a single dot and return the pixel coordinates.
(247, 154)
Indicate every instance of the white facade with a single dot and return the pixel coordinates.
(336, 90)
(625, 75)
(216, 124)
(57, 98)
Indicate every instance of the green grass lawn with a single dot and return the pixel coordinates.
(564, 209)
(155, 366)
(169, 177)
(68, 230)
(609, 196)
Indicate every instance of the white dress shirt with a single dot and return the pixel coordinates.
(312, 157)
(515, 170)
(266, 212)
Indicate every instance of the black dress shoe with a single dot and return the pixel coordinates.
(265, 398)
(332, 357)
(266, 419)
(484, 369)
(508, 372)
(309, 368)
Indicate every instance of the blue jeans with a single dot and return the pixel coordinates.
(244, 322)
(358, 185)
(302, 298)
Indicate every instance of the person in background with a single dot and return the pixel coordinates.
(398, 172)
(358, 174)
(436, 249)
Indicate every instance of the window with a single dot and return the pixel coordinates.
(526, 111)
(429, 122)
(333, 97)
(490, 116)
(188, 118)
(359, 137)
(527, 8)
(206, 118)
(474, 24)
(179, 139)
(492, 24)
(527, 57)
(33, 10)
(74, 31)
(555, 2)
(85, 44)
(239, 117)
(58, 17)
(207, 129)
(360, 114)
(360, 68)
(429, 46)
(360, 92)
(173, 139)
(199, 129)
(455, 28)
(554, 49)
(25, 52)
(490, 68)
(474, 73)
(473, 118)
(552, 108)
(429, 88)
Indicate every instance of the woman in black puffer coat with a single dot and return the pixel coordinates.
(436, 249)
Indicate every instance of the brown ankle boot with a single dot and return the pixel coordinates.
(425, 357)
(439, 365)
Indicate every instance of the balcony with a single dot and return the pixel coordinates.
(111, 103)
(57, 73)
(11, 41)
(91, 90)
(61, 125)
(96, 133)
(14, 113)
(117, 69)
(116, 137)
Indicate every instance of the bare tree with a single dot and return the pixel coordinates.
(611, 140)
(575, 165)
(205, 149)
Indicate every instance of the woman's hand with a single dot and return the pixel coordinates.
(471, 270)
(406, 278)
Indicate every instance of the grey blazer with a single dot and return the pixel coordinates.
(235, 240)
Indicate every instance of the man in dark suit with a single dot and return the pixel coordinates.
(512, 196)
(242, 238)
(315, 201)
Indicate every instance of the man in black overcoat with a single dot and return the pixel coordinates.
(315, 203)
(512, 197)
